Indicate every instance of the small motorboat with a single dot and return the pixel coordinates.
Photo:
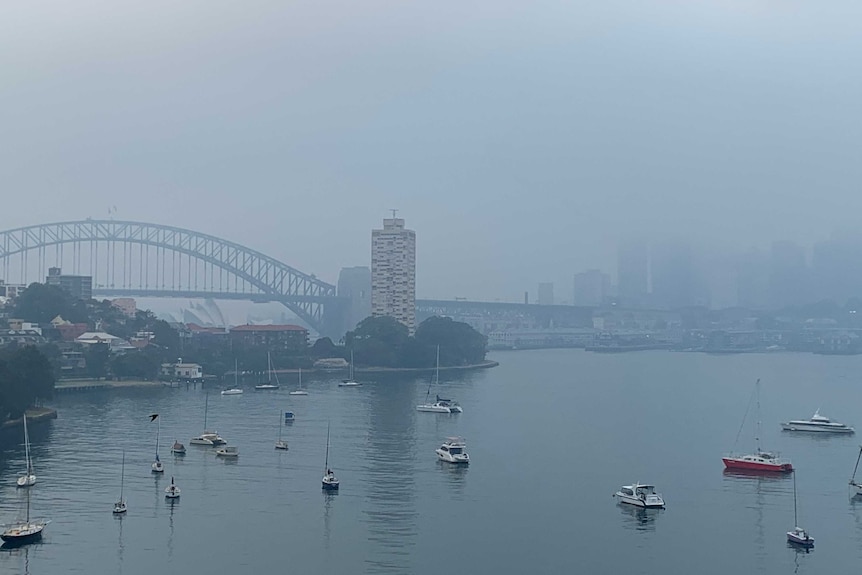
(178, 448)
(232, 391)
(265, 386)
(172, 491)
(289, 417)
(227, 451)
(453, 450)
(281, 444)
(817, 424)
(640, 496)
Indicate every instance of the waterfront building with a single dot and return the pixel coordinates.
(393, 272)
(269, 337)
(79, 287)
(182, 371)
(10, 291)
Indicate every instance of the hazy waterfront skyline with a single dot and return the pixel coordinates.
(521, 142)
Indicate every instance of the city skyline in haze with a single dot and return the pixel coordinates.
(522, 143)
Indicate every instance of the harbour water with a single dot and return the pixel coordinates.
(551, 434)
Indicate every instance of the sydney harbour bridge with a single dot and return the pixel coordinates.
(136, 259)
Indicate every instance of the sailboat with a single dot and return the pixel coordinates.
(158, 467)
(855, 487)
(236, 389)
(798, 536)
(120, 506)
(760, 461)
(330, 482)
(280, 443)
(26, 531)
(209, 438)
(29, 478)
(299, 391)
(441, 405)
(349, 382)
(270, 372)
(172, 491)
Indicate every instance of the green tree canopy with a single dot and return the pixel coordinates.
(26, 378)
(41, 303)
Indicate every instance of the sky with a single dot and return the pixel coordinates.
(521, 140)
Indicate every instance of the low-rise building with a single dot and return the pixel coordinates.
(182, 371)
(271, 337)
(114, 343)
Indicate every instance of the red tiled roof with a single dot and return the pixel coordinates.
(268, 328)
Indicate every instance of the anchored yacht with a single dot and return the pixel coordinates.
(817, 424)
(640, 496)
(453, 450)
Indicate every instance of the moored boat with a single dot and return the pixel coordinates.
(640, 495)
(760, 461)
(178, 448)
(29, 477)
(227, 451)
(855, 486)
(25, 531)
(798, 536)
(172, 491)
(817, 424)
(453, 450)
(329, 481)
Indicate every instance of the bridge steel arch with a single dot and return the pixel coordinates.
(302, 293)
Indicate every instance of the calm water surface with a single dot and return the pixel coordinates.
(552, 434)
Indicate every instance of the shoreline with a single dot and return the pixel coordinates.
(35, 415)
(93, 384)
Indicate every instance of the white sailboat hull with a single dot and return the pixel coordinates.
(855, 489)
(298, 392)
(26, 480)
(434, 408)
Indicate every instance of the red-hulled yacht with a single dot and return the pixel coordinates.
(759, 461)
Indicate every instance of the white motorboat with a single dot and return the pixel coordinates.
(158, 466)
(856, 487)
(269, 385)
(817, 424)
(640, 496)
(120, 506)
(280, 443)
(231, 391)
(227, 451)
(350, 381)
(453, 450)
(26, 531)
(172, 491)
(441, 405)
(329, 482)
(29, 477)
(798, 536)
(299, 391)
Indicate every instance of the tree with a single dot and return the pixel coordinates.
(166, 337)
(142, 364)
(26, 377)
(96, 355)
(459, 343)
(378, 341)
(41, 303)
(324, 347)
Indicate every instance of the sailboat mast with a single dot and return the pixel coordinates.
(795, 520)
(235, 375)
(857, 464)
(350, 375)
(326, 463)
(27, 447)
(757, 434)
(280, 425)
(122, 475)
(158, 433)
(268, 368)
(437, 369)
(206, 408)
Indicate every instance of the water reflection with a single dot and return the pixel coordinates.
(391, 512)
(638, 518)
(456, 476)
(328, 498)
(173, 504)
(16, 555)
(120, 545)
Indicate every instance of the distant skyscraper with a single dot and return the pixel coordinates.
(752, 280)
(836, 269)
(676, 278)
(546, 293)
(788, 275)
(633, 274)
(393, 272)
(354, 284)
(591, 288)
